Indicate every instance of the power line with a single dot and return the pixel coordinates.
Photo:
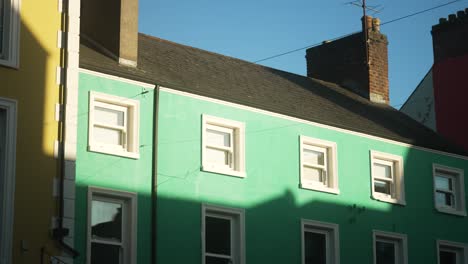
(385, 23)
(420, 12)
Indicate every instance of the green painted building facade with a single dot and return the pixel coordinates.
(272, 201)
(113, 180)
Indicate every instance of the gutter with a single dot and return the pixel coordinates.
(154, 176)
(60, 232)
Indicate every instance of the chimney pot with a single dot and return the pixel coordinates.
(376, 24)
(442, 20)
(366, 23)
(461, 14)
(452, 17)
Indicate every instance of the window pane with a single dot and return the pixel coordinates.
(218, 235)
(218, 138)
(216, 156)
(106, 220)
(101, 253)
(215, 260)
(107, 136)
(382, 171)
(443, 183)
(109, 116)
(444, 199)
(315, 248)
(446, 257)
(382, 187)
(313, 174)
(385, 252)
(314, 157)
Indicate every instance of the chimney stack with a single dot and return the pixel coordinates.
(450, 36)
(344, 61)
(112, 27)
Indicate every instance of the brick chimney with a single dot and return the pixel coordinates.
(112, 27)
(450, 36)
(344, 61)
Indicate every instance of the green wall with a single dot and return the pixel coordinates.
(114, 172)
(270, 194)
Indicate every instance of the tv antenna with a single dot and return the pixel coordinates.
(365, 8)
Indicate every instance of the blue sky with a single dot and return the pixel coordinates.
(255, 29)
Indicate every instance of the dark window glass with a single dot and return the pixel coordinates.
(218, 236)
(382, 187)
(214, 260)
(315, 248)
(106, 220)
(101, 253)
(385, 252)
(447, 257)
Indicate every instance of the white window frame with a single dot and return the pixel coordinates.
(397, 187)
(130, 129)
(9, 53)
(459, 192)
(330, 166)
(331, 232)
(129, 222)
(400, 240)
(237, 216)
(237, 150)
(7, 195)
(453, 247)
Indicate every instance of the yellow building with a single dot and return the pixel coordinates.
(37, 62)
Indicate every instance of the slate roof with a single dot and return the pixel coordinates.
(209, 74)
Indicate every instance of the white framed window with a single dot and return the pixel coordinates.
(320, 242)
(390, 248)
(451, 252)
(9, 32)
(319, 170)
(449, 191)
(112, 220)
(222, 235)
(387, 177)
(113, 125)
(8, 121)
(223, 146)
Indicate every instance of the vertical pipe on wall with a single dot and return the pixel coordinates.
(154, 175)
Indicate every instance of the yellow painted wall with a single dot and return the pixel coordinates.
(34, 87)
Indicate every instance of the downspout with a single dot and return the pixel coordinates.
(60, 232)
(154, 176)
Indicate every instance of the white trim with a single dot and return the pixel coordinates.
(116, 78)
(236, 214)
(398, 183)
(460, 247)
(11, 54)
(330, 163)
(396, 237)
(265, 112)
(8, 193)
(131, 199)
(333, 249)
(238, 146)
(131, 147)
(459, 190)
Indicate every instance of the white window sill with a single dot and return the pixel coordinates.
(386, 199)
(451, 211)
(225, 171)
(315, 187)
(110, 151)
